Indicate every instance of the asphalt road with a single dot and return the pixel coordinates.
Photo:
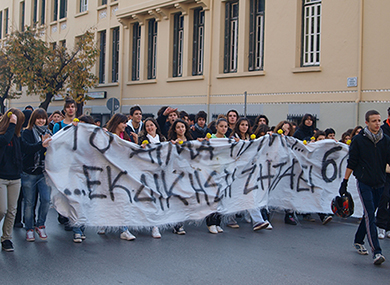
(308, 253)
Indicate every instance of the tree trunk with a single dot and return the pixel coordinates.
(2, 105)
(45, 104)
(80, 106)
(2, 99)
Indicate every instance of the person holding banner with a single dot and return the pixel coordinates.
(179, 132)
(70, 109)
(213, 221)
(117, 125)
(151, 133)
(369, 153)
(305, 129)
(10, 172)
(241, 131)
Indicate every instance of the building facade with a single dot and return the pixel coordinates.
(281, 58)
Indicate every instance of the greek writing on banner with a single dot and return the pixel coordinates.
(100, 180)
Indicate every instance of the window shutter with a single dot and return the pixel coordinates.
(134, 61)
(227, 38)
(195, 43)
(175, 43)
(43, 9)
(251, 35)
(150, 47)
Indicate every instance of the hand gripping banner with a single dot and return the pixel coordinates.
(99, 179)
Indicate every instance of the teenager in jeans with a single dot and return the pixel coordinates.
(35, 139)
(70, 109)
(368, 154)
(10, 171)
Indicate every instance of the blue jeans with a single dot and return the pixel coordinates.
(31, 185)
(370, 198)
(78, 230)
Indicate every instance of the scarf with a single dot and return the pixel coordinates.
(38, 132)
(155, 139)
(373, 137)
(203, 130)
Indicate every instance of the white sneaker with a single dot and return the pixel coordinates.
(219, 229)
(30, 236)
(381, 233)
(156, 232)
(388, 234)
(270, 227)
(379, 259)
(213, 229)
(77, 238)
(41, 231)
(126, 235)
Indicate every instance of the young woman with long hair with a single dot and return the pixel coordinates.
(242, 129)
(179, 132)
(151, 133)
(213, 221)
(10, 172)
(117, 126)
(305, 129)
(35, 139)
(286, 128)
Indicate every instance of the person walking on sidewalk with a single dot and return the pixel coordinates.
(369, 153)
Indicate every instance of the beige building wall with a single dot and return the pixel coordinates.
(354, 43)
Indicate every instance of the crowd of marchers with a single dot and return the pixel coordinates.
(25, 135)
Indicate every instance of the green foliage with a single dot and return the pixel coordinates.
(7, 79)
(48, 71)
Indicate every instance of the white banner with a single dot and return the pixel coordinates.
(99, 179)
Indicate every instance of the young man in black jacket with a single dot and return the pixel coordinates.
(369, 153)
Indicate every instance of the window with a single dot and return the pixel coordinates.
(63, 8)
(115, 54)
(35, 12)
(103, 2)
(152, 49)
(83, 5)
(256, 35)
(231, 37)
(102, 56)
(6, 21)
(311, 33)
(22, 15)
(55, 10)
(63, 43)
(43, 8)
(198, 43)
(178, 33)
(136, 58)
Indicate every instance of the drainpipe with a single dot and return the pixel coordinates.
(210, 57)
(360, 61)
